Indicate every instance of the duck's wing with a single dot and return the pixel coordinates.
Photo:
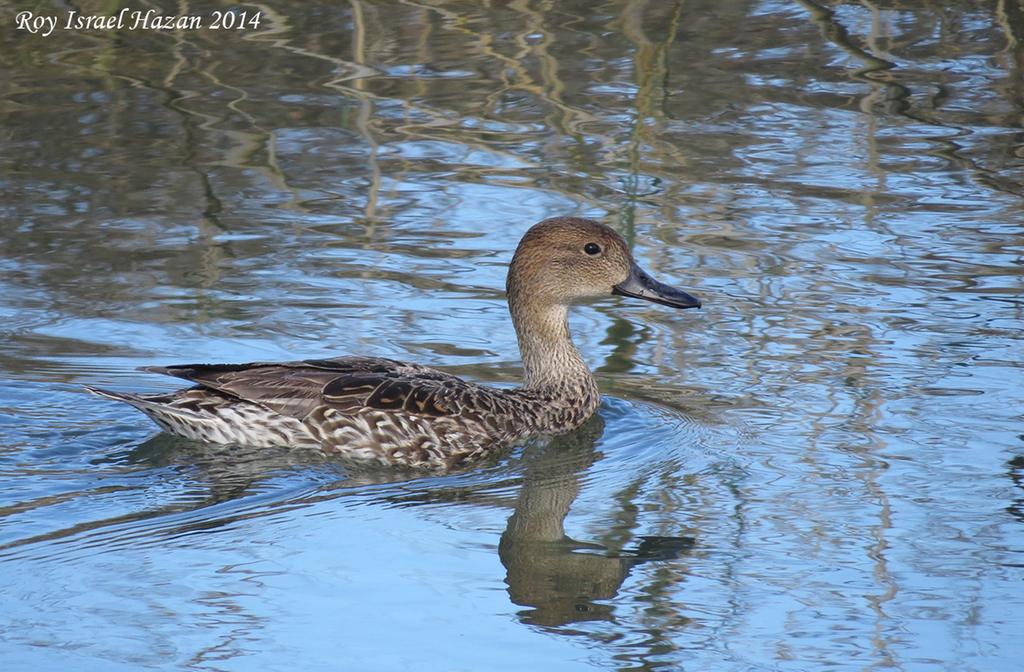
(347, 384)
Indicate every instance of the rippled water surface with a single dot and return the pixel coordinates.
(821, 470)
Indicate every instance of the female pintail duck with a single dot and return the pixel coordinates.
(370, 408)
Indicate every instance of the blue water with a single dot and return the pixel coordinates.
(823, 469)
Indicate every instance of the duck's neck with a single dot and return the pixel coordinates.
(553, 366)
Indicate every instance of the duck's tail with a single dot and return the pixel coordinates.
(207, 415)
(119, 396)
(156, 406)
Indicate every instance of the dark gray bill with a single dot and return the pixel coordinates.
(643, 286)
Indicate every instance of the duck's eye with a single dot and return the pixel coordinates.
(592, 249)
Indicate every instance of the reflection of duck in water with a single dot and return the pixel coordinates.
(558, 576)
(376, 409)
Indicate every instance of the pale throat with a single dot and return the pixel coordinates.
(550, 359)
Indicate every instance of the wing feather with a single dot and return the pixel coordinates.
(347, 384)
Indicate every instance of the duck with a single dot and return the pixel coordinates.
(395, 413)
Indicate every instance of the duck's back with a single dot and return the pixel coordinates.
(365, 408)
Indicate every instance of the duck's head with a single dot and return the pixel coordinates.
(563, 260)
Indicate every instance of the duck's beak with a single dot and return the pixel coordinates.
(643, 286)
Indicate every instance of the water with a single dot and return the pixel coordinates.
(821, 470)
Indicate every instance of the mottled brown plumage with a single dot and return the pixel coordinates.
(376, 409)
